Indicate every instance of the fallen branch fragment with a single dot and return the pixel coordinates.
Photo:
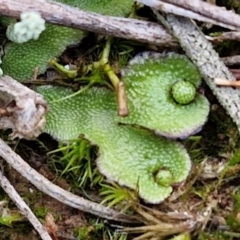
(235, 36)
(232, 60)
(21, 109)
(141, 31)
(23, 207)
(126, 28)
(181, 11)
(56, 192)
(201, 52)
(205, 9)
(225, 82)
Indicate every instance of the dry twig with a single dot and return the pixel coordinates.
(225, 82)
(56, 192)
(21, 109)
(23, 207)
(232, 60)
(235, 36)
(126, 28)
(138, 30)
(181, 11)
(218, 14)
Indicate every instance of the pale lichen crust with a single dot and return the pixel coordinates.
(131, 156)
(148, 80)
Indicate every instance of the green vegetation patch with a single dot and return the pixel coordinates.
(21, 60)
(149, 80)
(131, 156)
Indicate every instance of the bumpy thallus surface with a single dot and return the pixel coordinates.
(148, 80)
(128, 155)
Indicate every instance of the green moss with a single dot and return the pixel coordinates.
(148, 81)
(20, 60)
(105, 7)
(218, 235)
(127, 155)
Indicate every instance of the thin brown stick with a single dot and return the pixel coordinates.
(23, 109)
(56, 192)
(23, 207)
(208, 10)
(205, 9)
(231, 60)
(133, 29)
(181, 11)
(227, 83)
(126, 28)
(122, 100)
(235, 36)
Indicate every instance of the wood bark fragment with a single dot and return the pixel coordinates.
(206, 9)
(21, 109)
(225, 82)
(198, 10)
(23, 207)
(56, 192)
(226, 36)
(138, 30)
(181, 11)
(232, 60)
